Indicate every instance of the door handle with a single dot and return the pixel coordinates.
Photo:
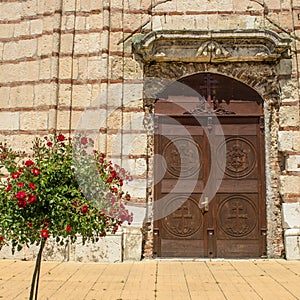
(204, 204)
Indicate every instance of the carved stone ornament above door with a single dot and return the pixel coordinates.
(211, 46)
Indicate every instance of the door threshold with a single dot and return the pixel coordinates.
(183, 259)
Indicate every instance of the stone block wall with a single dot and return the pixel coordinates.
(62, 60)
(122, 246)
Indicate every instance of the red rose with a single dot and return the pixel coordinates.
(109, 179)
(127, 197)
(45, 233)
(29, 163)
(9, 187)
(22, 203)
(21, 170)
(84, 140)
(20, 184)
(114, 190)
(113, 173)
(103, 155)
(115, 229)
(29, 224)
(121, 182)
(35, 171)
(61, 138)
(49, 144)
(20, 195)
(15, 175)
(68, 228)
(31, 199)
(84, 209)
(32, 186)
(101, 160)
(1, 239)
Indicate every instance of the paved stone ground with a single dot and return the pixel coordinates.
(156, 279)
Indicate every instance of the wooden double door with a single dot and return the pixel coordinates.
(210, 183)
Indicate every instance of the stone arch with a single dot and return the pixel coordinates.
(262, 78)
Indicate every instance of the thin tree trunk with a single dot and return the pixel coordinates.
(36, 273)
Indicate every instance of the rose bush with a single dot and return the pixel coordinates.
(62, 189)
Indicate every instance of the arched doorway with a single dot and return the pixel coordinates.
(202, 122)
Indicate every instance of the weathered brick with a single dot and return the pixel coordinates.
(63, 120)
(64, 94)
(116, 20)
(94, 68)
(45, 68)
(286, 20)
(82, 68)
(52, 5)
(81, 43)
(94, 22)
(44, 94)
(36, 26)
(293, 163)
(289, 116)
(34, 120)
(4, 96)
(289, 184)
(132, 69)
(20, 49)
(24, 71)
(289, 140)
(135, 144)
(65, 67)
(68, 22)
(48, 23)
(30, 8)
(133, 23)
(81, 95)
(9, 121)
(80, 23)
(6, 30)
(1, 50)
(94, 42)
(85, 5)
(114, 120)
(21, 96)
(28, 71)
(133, 95)
(45, 45)
(22, 28)
(133, 120)
(69, 5)
(10, 11)
(66, 44)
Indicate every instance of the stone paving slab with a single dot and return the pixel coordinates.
(154, 279)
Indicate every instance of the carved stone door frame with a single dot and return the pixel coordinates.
(263, 64)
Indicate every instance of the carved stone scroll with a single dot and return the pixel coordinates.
(211, 46)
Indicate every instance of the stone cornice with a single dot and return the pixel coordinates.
(210, 46)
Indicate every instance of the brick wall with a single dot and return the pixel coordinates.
(59, 58)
